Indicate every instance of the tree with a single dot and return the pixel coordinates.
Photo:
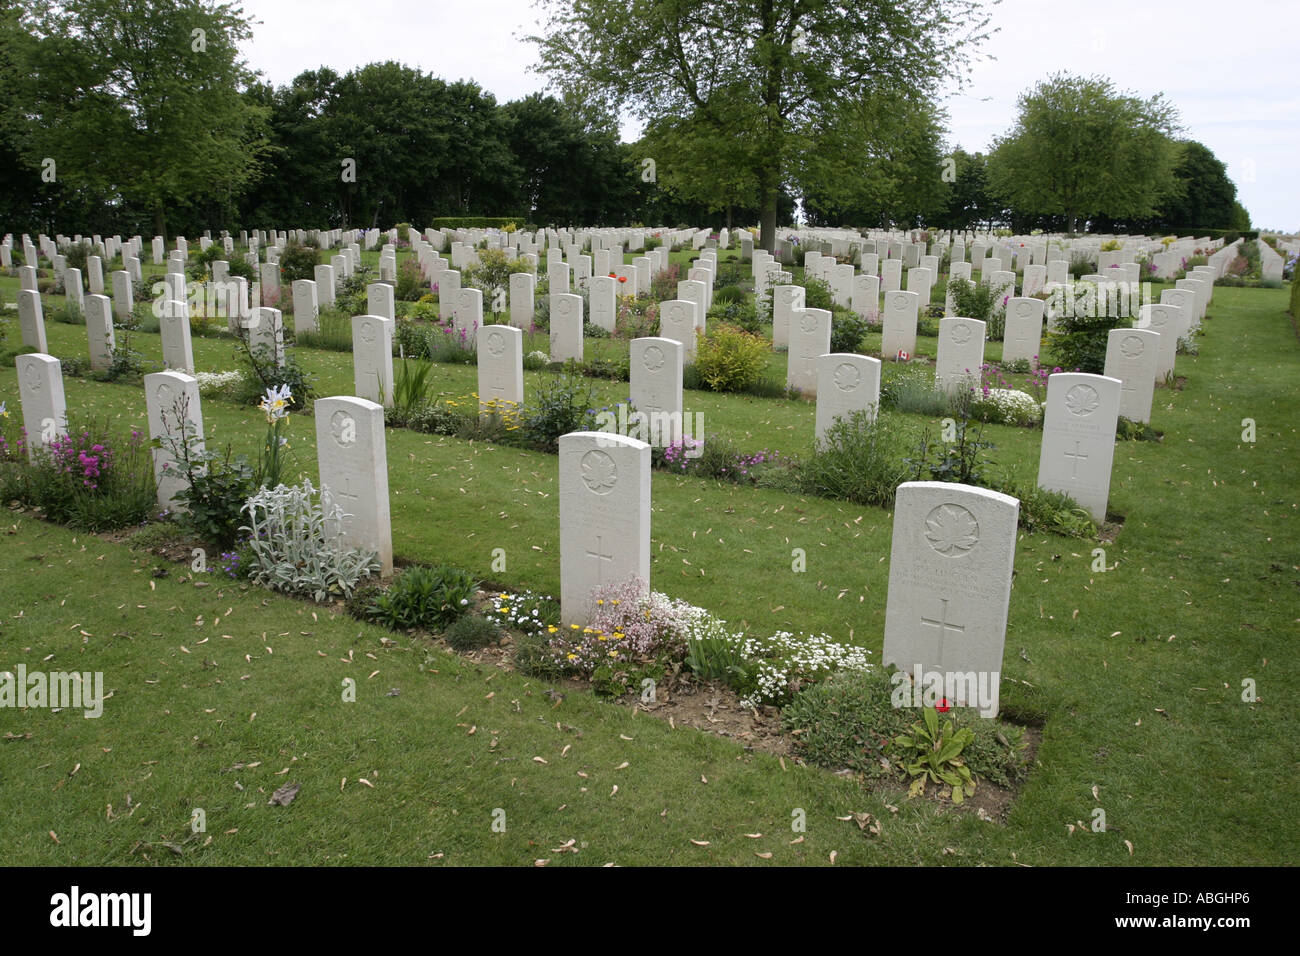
(1081, 149)
(968, 203)
(1205, 196)
(138, 103)
(751, 74)
(879, 163)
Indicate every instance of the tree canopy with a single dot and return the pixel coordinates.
(1079, 148)
(752, 79)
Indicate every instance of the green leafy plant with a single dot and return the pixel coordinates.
(729, 359)
(931, 753)
(847, 331)
(410, 386)
(429, 597)
(858, 460)
(470, 632)
(564, 404)
(293, 543)
(297, 261)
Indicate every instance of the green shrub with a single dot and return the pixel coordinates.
(817, 294)
(429, 597)
(411, 285)
(1079, 340)
(729, 359)
(847, 331)
(972, 301)
(562, 405)
(727, 294)
(847, 721)
(297, 261)
(293, 544)
(910, 388)
(89, 479)
(857, 460)
(743, 315)
(471, 632)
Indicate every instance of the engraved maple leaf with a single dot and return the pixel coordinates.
(950, 529)
(599, 472)
(1082, 399)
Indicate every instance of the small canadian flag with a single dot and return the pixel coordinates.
(903, 356)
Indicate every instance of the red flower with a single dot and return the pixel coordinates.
(943, 706)
(612, 276)
(622, 278)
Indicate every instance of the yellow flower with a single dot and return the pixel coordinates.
(572, 656)
(600, 601)
(551, 629)
(614, 601)
(613, 653)
(601, 638)
(573, 627)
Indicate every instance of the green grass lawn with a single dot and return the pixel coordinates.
(1138, 669)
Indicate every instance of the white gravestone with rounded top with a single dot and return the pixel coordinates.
(846, 383)
(950, 568)
(655, 366)
(1131, 357)
(500, 368)
(1078, 445)
(1022, 334)
(172, 403)
(372, 358)
(898, 330)
(960, 354)
(810, 338)
(604, 518)
(40, 390)
(351, 452)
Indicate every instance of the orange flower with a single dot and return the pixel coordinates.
(622, 278)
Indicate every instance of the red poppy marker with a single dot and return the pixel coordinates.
(943, 706)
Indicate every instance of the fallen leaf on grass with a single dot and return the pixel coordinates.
(285, 795)
(764, 856)
(696, 842)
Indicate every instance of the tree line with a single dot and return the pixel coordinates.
(143, 118)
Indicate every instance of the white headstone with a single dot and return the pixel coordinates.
(810, 338)
(950, 568)
(1022, 335)
(500, 368)
(448, 283)
(40, 389)
(467, 316)
(566, 327)
(31, 320)
(899, 324)
(99, 331)
(172, 403)
(960, 354)
(305, 309)
(379, 300)
(602, 297)
(122, 300)
(846, 383)
(866, 297)
(891, 275)
(786, 300)
(372, 358)
(679, 321)
(1079, 438)
(1131, 357)
(351, 452)
(522, 289)
(604, 518)
(177, 344)
(325, 279)
(1164, 319)
(266, 335)
(655, 366)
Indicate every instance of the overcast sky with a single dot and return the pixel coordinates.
(1228, 69)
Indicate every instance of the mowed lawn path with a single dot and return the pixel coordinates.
(1138, 670)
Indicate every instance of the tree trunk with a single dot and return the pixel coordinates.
(1070, 223)
(160, 222)
(769, 180)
